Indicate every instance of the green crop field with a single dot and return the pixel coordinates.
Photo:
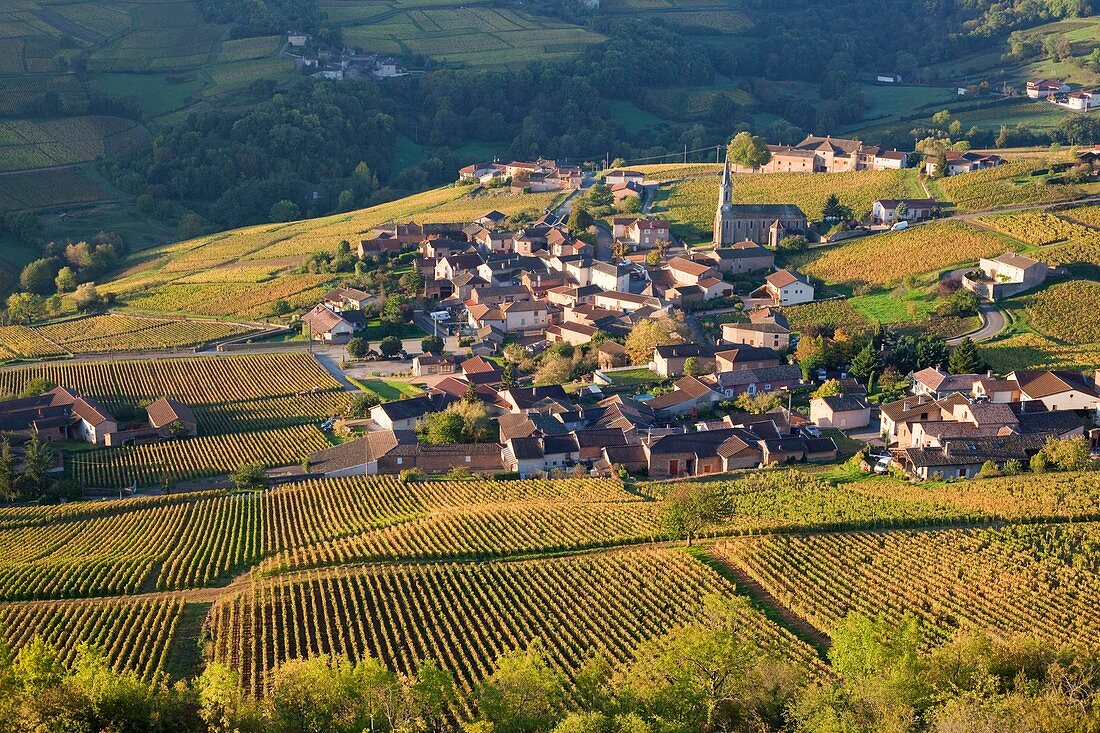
(26, 145)
(469, 36)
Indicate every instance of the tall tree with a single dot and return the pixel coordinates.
(690, 509)
(964, 358)
(8, 488)
(37, 462)
(523, 694)
(748, 150)
(867, 363)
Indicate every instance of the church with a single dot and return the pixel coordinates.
(760, 223)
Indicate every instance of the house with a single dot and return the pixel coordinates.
(701, 453)
(894, 416)
(526, 315)
(668, 361)
(427, 365)
(347, 298)
(534, 399)
(759, 223)
(405, 414)
(1090, 158)
(611, 355)
(844, 412)
(571, 333)
(1081, 100)
(936, 383)
(1005, 275)
(689, 272)
(450, 266)
(328, 326)
(297, 39)
(615, 300)
(1059, 390)
(762, 335)
(689, 393)
(964, 458)
(885, 211)
(745, 357)
(498, 294)
(166, 413)
(609, 275)
(785, 287)
(539, 454)
(390, 452)
(465, 283)
(829, 155)
(479, 370)
(959, 162)
(1040, 88)
(619, 177)
(87, 420)
(491, 219)
(756, 380)
(647, 233)
(739, 257)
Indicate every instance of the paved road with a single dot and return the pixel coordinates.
(993, 322)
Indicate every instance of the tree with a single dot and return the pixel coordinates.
(554, 369)
(38, 276)
(689, 509)
(87, 298)
(619, 249)
(523, 694)
(414, 281)
(653, 257)
(580, 220)
(508, 376)
(190, 225)
(357, 347)
(249, 476)
(36, 386)
(748, 151)
(432, 345)
(389, 346)
(813, 353)
(26, 307)
(433, 691)
(693, 367)
(441, 428)
(284, 210)
(1071, 454)
(866, 364)
(37, 462)
(645, 337)
(880, 660)
(829, 388)
(709, 676)
(361, 404)
(599, 196)
(901, 212)
(931, 352)
(65, 282)
(964, 358)
(759, 403)
(177, 430)
(223, 704)
(8, 487)
(834, 210)
(394, 309)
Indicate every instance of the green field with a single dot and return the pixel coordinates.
(388, 390)
(464, 37)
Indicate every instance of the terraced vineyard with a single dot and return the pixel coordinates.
(1040, 227)
(466, 615)
(1009, 184)
(20, 342)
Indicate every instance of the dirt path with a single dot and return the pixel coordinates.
(771, 605)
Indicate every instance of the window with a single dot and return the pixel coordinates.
(467, 459)
(767, 388)
(399, 461)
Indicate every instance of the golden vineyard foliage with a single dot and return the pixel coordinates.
(1016, 580)
(465, 616)
(20, 342)
(1040, 227)
(1006, 185)
(1068, 311)
(887, 258)
(114, 332)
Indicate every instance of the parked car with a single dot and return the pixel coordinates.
(899, 226)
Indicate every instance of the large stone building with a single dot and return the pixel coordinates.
(829, 155)
(760, 223)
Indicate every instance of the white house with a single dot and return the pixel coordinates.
(785, 288)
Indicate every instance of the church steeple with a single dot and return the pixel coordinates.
(725, 190)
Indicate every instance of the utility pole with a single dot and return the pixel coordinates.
(685, 153)
(717, 153)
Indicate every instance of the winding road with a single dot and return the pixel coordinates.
(993, 319)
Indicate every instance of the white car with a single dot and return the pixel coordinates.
(883, 465)
(899, 226)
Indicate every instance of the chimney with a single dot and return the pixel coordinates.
(905, 406)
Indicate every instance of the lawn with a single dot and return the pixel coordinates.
(632, 377)
(387, 390)
(376, 330)
(905, 306)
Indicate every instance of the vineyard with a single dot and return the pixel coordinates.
(466, 615)
(155, 464)
(196, 381)
(1039, 227)
(1016, 580)
(20, 342)
(1009, 184)
(115, 332)
(690, 203)
(1068, 311)
(887, 258)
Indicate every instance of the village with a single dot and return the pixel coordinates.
(692, 404)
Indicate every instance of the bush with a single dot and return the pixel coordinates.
(411, 475)
(357, 347)
(389, 346)
(362, 403)
(506, 476)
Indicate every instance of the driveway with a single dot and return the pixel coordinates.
(993, 322)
